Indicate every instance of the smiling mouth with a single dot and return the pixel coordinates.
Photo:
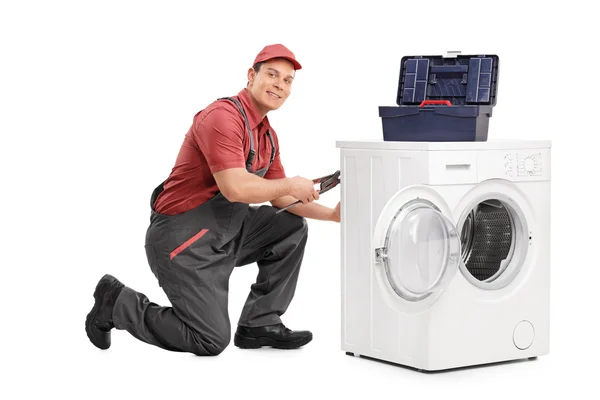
(273, 95)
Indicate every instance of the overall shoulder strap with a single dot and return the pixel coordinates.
(273, 149)
(250, 158)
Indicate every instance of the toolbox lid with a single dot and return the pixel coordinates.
(459, 79)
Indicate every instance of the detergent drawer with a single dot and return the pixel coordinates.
(452, 167)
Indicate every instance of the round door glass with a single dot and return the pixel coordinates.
(422, 250)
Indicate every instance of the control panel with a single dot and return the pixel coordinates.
(523, 164)
(517, 165)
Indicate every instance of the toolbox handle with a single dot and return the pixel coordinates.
(425, 102)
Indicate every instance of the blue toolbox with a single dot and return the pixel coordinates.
(442, 99)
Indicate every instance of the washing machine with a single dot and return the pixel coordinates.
(445, 251)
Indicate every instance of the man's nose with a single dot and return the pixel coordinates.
(279, 83)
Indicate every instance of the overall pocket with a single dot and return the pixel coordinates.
(188, 242)
(193, 254)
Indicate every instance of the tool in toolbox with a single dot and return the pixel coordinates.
(326, 183)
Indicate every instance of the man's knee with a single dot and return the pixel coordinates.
(303, 225)
(212, 346)
(300, 224)
(218, 346)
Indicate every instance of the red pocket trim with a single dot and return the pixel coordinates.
(188, 243)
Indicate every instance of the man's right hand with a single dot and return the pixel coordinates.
(303, 189)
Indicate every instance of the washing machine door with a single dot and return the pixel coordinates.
(417, 247)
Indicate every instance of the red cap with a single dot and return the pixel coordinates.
(277, 51)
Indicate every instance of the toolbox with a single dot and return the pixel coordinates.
(442, 99)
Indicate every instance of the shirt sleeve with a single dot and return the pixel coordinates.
(220, 138)
(276, 171)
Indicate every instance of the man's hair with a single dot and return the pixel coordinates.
(257, 66)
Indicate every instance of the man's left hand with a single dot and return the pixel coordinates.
(336, 213)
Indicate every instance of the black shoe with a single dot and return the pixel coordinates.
(277, 336)
(99, 321)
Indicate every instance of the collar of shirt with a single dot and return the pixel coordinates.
(251, 111)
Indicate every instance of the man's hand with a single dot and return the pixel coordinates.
(336, 213)
(303, 189)
(312, 210)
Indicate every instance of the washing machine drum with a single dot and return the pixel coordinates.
(487, 239)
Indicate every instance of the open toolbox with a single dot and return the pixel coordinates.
(442, 99)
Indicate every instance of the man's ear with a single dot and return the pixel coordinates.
(251, 76)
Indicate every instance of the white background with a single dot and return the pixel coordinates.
(95, 98)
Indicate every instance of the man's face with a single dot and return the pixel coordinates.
(271, 85)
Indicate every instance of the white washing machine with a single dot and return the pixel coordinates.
(445, 251)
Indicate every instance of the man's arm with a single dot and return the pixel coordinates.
(220, 137)
(310, 210)
(238, 185)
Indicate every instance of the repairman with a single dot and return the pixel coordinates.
(202, 225)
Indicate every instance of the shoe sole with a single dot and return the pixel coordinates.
(89, 320)
(256, 343)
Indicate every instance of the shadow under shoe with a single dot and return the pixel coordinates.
(99, 321)
(277, 336)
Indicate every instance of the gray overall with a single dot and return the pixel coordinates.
(193, 254)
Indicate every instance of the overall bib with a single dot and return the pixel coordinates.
(193, 254)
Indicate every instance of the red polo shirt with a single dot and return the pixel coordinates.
(217, 140)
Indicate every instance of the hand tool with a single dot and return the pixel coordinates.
(326, 183)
